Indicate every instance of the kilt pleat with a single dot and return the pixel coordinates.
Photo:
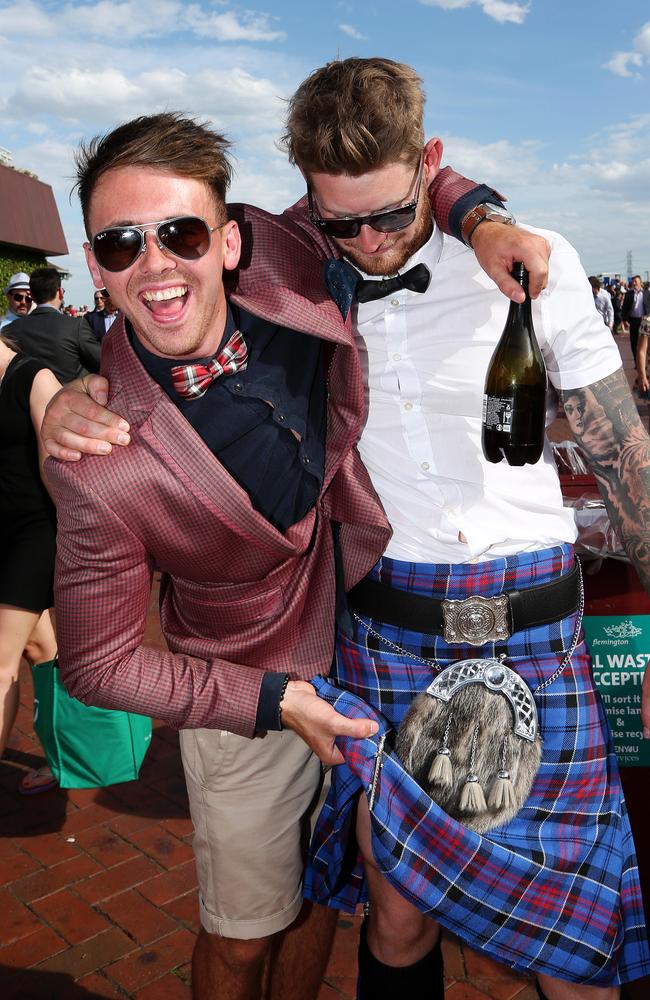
(554, 890)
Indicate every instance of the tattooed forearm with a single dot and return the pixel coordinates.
(605, 422)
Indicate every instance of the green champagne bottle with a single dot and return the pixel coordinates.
(514, 399)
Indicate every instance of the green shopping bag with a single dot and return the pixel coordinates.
(85, 747)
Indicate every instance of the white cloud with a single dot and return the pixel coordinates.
(618, 166)
(229, 28)
(621, 62)
(348, 29)
(36, 128)
(500, 10)
(594, 198)
(232, 96)
(642, 40)
(506, 164)
(134, 19)
(15, 17)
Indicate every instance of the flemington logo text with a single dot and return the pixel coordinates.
(617, 634)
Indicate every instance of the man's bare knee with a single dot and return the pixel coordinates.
(389, 910)
(559, 989)
(235, 953)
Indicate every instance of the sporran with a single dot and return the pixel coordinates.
(472, 742)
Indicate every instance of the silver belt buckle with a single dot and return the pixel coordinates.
(476, 620)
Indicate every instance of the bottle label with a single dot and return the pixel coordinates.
(497, 413)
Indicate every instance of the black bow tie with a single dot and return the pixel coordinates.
(416, 280)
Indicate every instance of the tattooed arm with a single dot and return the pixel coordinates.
(605, 422)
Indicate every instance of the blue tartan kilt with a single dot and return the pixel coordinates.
(554, 890)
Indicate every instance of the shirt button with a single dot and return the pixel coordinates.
(397, 357)
(281, 417)
(408, 406)
(237, 387)
(395, 302)
(424, 466)
(306, 459)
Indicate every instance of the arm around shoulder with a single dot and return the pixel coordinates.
(497, 246)
(44, 387)
(77, 421)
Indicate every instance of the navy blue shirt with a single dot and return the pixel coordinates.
(266, 425)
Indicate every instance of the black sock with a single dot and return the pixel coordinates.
(387, 982)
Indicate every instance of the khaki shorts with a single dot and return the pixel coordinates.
(251, 803)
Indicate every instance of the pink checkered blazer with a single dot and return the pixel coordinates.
(237, 597)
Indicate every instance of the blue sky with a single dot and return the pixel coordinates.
(548, 101)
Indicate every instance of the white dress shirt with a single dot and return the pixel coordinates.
(603, 303)
(109, 319)
(426, 355)
(637, 308)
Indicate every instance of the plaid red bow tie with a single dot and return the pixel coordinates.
(193, 381)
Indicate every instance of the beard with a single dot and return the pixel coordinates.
(397, 254)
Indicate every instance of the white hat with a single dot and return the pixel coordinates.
(16, 281)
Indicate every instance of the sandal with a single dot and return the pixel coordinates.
(39, 780)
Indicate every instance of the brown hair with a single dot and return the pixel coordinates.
(44, 283)
(167, 141)
(355, 115)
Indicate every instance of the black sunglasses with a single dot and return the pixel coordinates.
(390, 221)
(187, 237)
(21, 297)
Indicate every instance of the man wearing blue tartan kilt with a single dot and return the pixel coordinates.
(541, 892)
(539, 871)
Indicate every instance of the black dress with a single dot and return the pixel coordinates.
(27, 515)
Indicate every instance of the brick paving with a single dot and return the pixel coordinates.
(97, 887)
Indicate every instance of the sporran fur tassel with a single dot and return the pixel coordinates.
(502, 795)
(441, 772)
(472, 799)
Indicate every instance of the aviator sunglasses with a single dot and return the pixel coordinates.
(21, 297)
(187, 237)
(390, 221)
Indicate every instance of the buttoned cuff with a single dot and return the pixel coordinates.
(268, 706)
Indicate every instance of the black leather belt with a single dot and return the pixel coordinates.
(475, 620)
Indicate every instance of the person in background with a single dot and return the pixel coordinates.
(63, 343)
(602, 301)
(102, 317)
(27, 535)
(19, 298)
(636, 305)
(642, 357)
